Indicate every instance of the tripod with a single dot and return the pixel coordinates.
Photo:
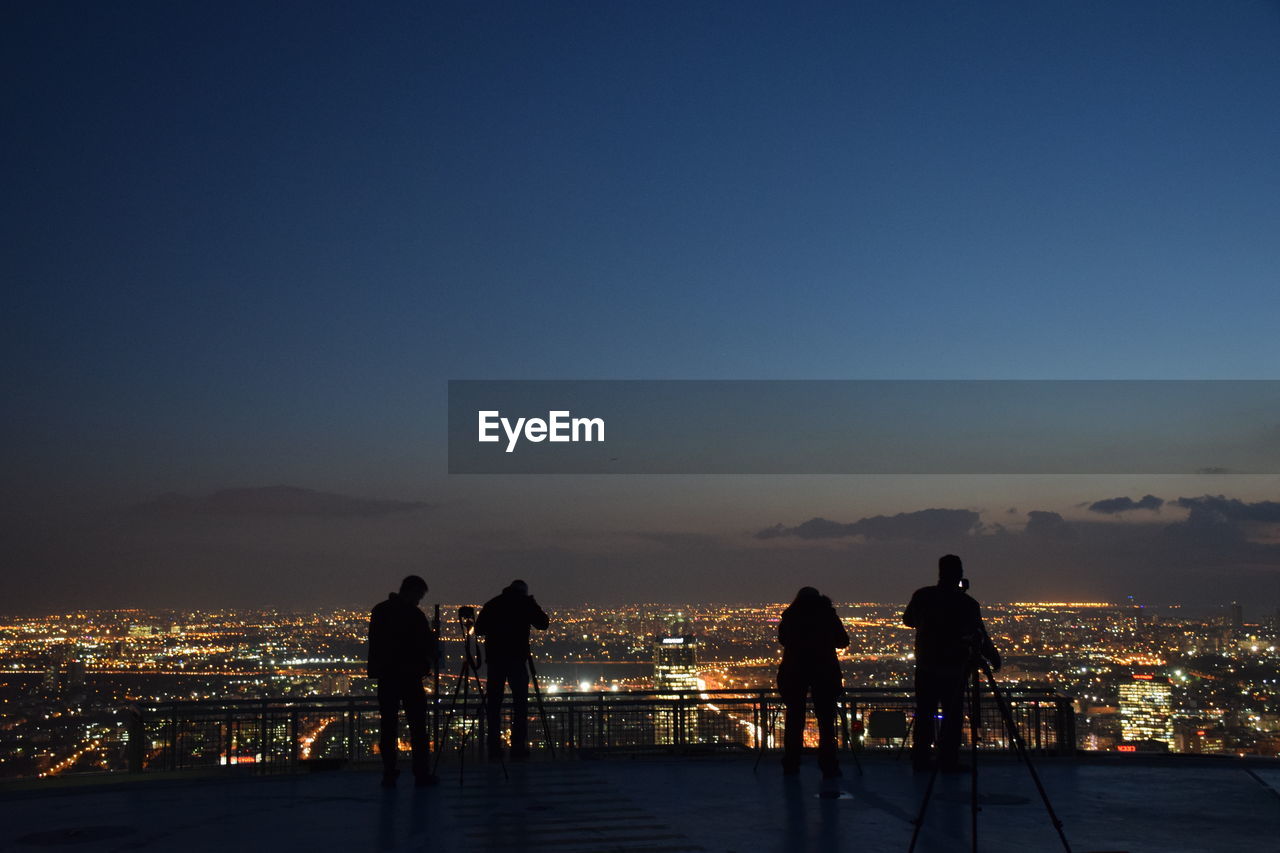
(979, 665)
(762, 737)
(542, 710)
(470, 669)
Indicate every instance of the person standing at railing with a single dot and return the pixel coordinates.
(403, 649)
(504, 621)
(810, 632)
(949, 633)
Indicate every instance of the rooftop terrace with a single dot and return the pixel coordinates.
(660, 804)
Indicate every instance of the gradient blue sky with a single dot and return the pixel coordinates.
(248, 243)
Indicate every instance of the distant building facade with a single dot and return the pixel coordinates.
(1146, 709)
(675, 669)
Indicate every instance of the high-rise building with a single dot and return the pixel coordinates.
(675, 668)
(675, 663)
(1146, 709)
(1237, 615)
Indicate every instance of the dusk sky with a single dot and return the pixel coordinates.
(246, 245)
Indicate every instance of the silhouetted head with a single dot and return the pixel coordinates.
(517, 587)
(950, 570)
(807, 595)
(413, 588)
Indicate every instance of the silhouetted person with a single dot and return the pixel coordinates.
(949, 637)
(810, 632)
(504, 621)
(402, 649)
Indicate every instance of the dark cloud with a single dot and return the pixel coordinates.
(276, 501)
(1231, 509)
(1111, 506)
(925, 525)
(1048, 525)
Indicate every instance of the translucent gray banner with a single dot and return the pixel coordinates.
(864, 427)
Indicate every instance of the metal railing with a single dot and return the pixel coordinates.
(288, 734)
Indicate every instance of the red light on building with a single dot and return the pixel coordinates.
(1144, 677)
(1126, 747)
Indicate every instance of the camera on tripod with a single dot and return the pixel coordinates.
(467, 619)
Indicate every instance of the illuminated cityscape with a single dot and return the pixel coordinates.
(1141, 677)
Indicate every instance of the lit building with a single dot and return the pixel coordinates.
(675, 668)
(675, 663)
(1146, 709)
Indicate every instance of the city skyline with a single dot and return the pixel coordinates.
(1121, 678)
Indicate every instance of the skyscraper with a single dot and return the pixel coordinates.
(675, 668)
(1146, 709)
(675, 663)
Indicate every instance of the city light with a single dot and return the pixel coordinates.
(1167, 680)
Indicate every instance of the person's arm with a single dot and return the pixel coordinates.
(911, 616)
(537, 618)
(786, 633)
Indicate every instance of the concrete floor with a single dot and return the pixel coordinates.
(664, 805)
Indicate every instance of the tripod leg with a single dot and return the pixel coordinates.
(924, 806)
(1016, 738)
(448, 719)
(542, 710)
(844, 725)
(475, 674)
(462, 744)
(906, 739)
(763, 736)
(975, 718)
(937, 765)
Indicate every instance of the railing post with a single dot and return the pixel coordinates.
(172, 725)
(1036, 721)
(137, 730)
(352, 728)
(1065, 725)
(263, 743)
(291, 759)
